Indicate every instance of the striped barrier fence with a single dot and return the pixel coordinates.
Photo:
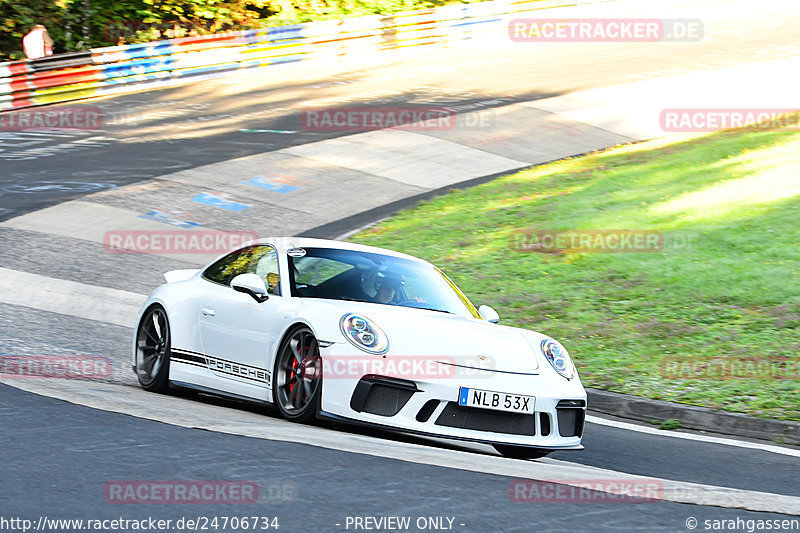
(115, 69)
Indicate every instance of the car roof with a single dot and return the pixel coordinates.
(284, 243)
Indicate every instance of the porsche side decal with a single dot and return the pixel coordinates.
(222, 366)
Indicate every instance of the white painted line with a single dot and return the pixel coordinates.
(223, 174)
(111, 306)
(194, 414)
(407, 157)
(91, 221)
(87, 221)
(294, 184)
(691, 436)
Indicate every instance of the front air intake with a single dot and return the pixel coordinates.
(571, 417)
(381, 396)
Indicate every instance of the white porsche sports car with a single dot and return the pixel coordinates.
(328, 329)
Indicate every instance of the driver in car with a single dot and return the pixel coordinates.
(387, 288)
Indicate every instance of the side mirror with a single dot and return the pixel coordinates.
(251, 284)
(489, 314)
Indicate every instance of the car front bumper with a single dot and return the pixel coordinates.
(428, 405)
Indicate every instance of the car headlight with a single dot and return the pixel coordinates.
(558, 357)
(364, 334)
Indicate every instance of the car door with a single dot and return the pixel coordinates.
(237, 332)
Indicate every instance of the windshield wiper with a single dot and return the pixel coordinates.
(432, 309)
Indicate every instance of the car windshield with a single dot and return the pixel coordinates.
(337, 274)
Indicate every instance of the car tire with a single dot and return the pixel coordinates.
(153, 344)
(297, 376)
(520, 452)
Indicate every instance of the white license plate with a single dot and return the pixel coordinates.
(499, 401)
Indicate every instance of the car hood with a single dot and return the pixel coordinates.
(454, 339)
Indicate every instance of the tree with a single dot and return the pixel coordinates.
(81, 24)
(19, 17)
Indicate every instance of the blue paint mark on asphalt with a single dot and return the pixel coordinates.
(271, 184)
(220, 199)
(166, 218)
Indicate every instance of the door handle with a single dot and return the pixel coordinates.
(207, 311)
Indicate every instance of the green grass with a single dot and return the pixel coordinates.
(672, 423)
(725, 285)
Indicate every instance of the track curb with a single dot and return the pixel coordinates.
(693, 417)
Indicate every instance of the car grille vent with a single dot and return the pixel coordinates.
(458, 416)
(427, 410)
(544, 424)
(570, 421)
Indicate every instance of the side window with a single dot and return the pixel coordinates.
(259, 259)
(266, 266)
(225, 269)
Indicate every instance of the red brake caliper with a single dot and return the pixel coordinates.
(292, 375)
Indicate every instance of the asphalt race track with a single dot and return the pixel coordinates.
(62, 292)
(312, 488)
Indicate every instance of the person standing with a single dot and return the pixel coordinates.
(37, 43)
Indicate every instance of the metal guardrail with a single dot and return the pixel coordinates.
(99, 71)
